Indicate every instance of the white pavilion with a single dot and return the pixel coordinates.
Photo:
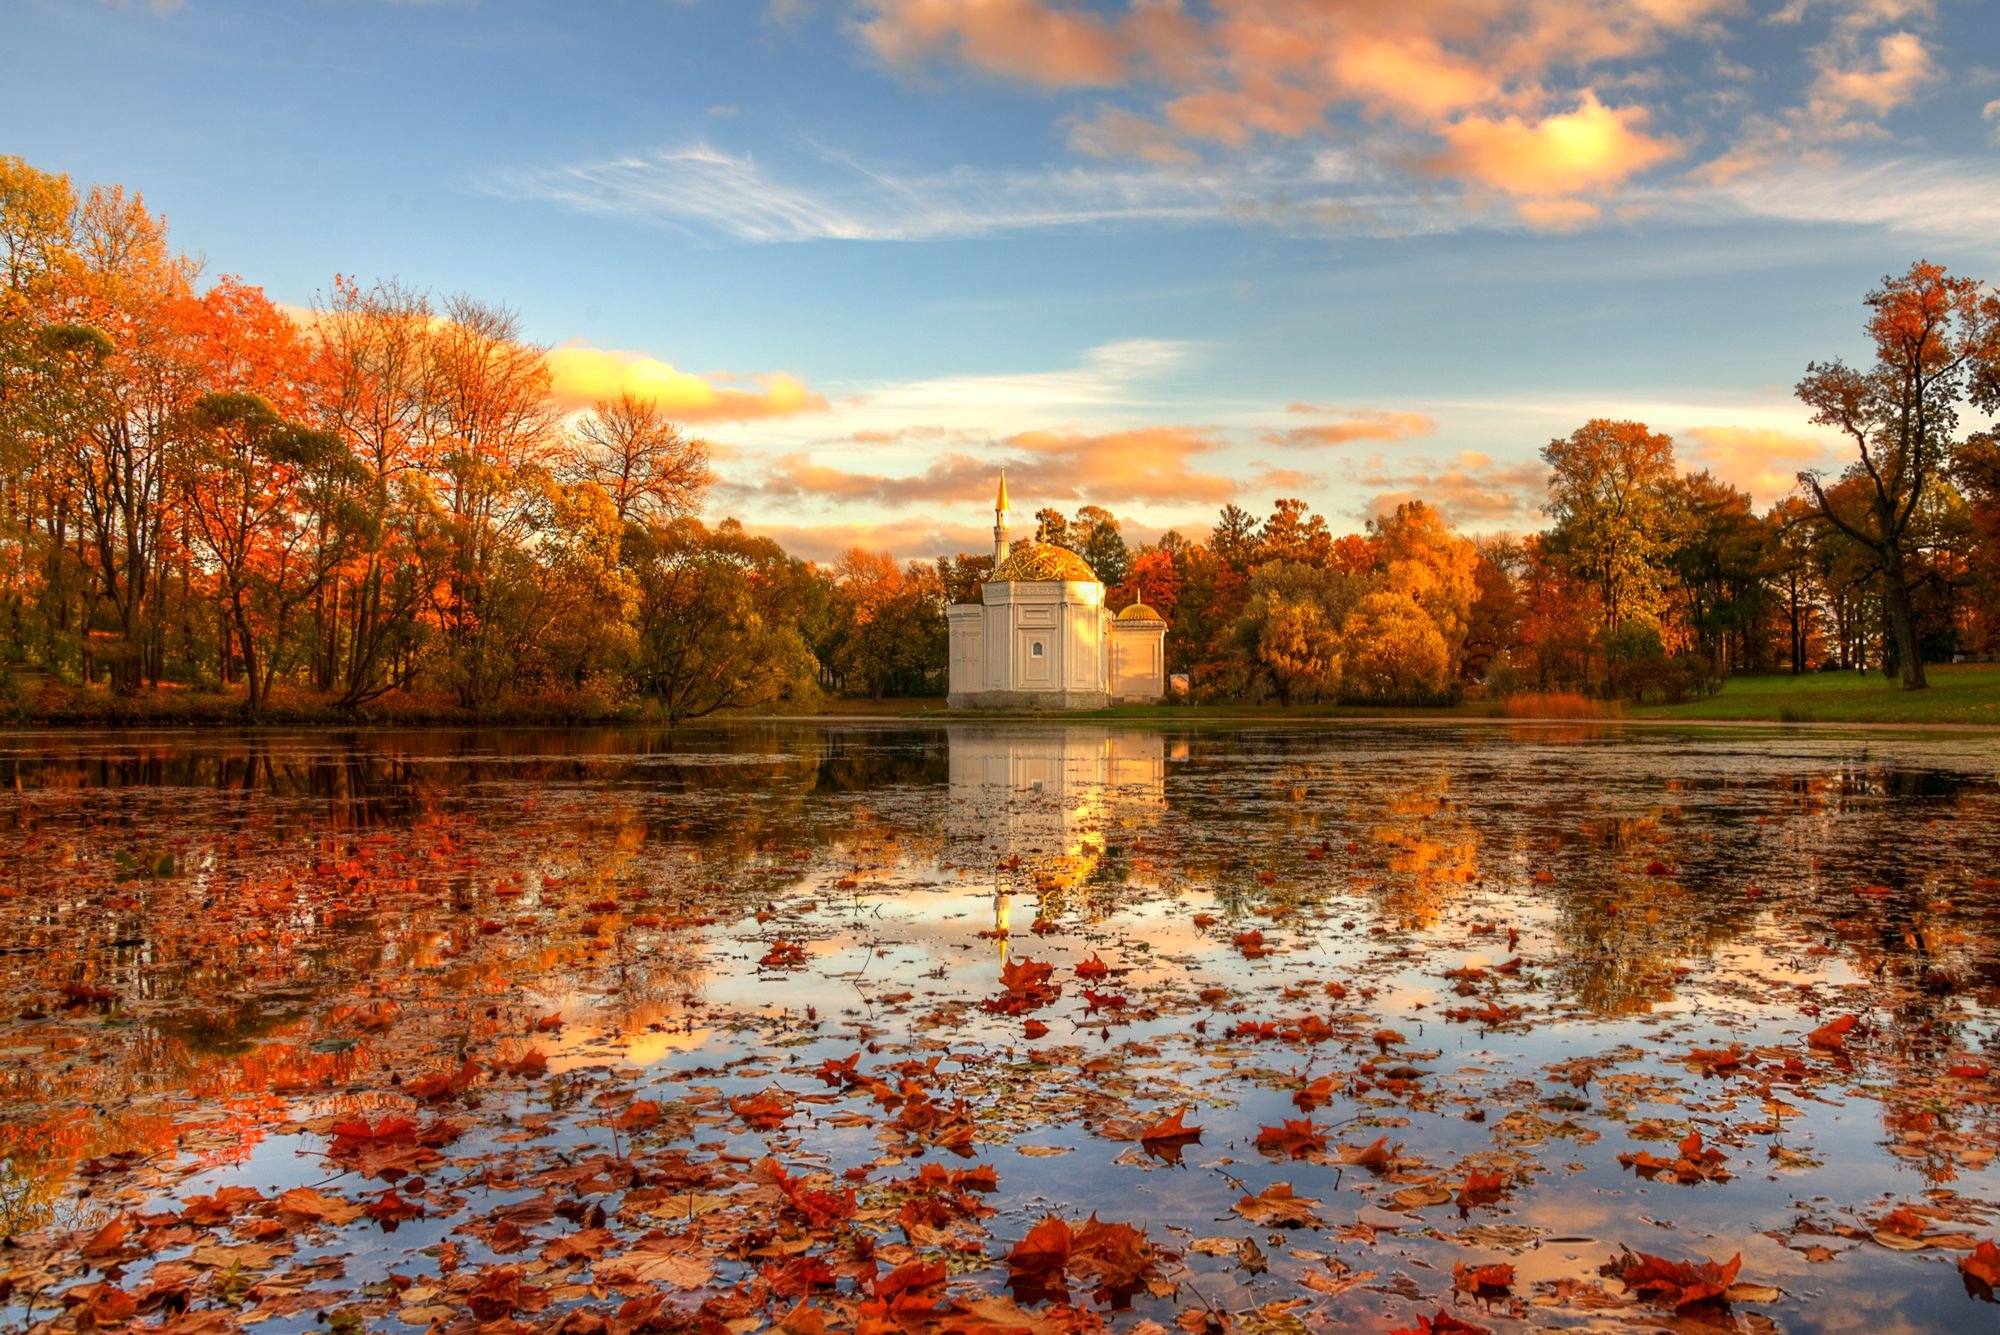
(1040, 637)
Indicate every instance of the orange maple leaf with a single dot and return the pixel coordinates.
(1170, 1129)
(1293, 1137)
(1832, 1036)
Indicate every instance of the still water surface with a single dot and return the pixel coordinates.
(217, 946)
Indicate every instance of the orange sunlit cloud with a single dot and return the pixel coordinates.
(1469, 489)
(1590, 148)
(583, 375)
(1116, 133)
(1901, 68)
(1486, 79)
(1285, 482)
(1359, 424)
(1560, 215)
(911, 539)
(1413, 78)
(1021, 39)
(1761, 460)
(1148, 465)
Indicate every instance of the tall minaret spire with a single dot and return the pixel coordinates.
(1000, 521)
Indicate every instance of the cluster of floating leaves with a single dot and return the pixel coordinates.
(1079, 1030)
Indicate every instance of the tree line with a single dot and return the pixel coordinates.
(201, 491)
(1650, 581)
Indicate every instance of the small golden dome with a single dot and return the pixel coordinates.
(1043, 562)
(1140, 612)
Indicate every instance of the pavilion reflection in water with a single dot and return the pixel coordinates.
(1035, 808)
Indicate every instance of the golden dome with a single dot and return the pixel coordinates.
(1041, 562)
(1140, 612)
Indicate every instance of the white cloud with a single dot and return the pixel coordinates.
(841, 199)
(1108, 376)
(1944, 198)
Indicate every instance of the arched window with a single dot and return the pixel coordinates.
(1036, 650)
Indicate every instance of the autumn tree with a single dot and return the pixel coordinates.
(651, 471)
(1293, 533)
(1234, 538)
(1155, 580)
(121, 366)
(1790, 571)
(963, 576)
(1559, 620)
(1608, 496)
(1199, 638)
(1936, 339)
(491, 437)
(715, 620)
(1719, 560)
(1051, 525)
(1493, 623)
(374, 347)
(1393, 651)
(1287, 639)
(889, 624)
(573, 630)
(256, 489)
(1419, 556)
(1095, 536)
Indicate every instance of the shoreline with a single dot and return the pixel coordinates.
(1196, 716)
(1963, 699)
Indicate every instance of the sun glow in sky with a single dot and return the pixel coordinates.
(1156, 255)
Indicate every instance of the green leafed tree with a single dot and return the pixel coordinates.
(715, 620)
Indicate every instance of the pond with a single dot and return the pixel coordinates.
(816, 1026)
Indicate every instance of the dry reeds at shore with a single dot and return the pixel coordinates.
(1558, 705)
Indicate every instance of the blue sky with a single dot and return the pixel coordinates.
(1151, 255)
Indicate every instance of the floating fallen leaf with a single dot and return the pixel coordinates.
(1277, 1207)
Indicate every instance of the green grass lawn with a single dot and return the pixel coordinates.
(1968, 693)
(1962, 695)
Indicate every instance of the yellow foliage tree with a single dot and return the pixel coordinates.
(1420, 557)
(1393, 650)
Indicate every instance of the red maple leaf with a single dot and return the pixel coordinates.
(1982, 1265)
(1043, 1252)
(1675, 1284)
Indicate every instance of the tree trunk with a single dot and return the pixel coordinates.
(1902, 624)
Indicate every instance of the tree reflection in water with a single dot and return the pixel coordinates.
(215, 940)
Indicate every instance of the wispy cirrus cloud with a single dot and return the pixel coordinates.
(1325, 192)
(832, 197)
(1943, 197)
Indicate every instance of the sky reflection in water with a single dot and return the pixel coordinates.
(217, 943)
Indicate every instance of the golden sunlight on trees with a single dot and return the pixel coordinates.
(1395, 651)
(1607, 496)
(888, 627)
(389, 499)
(627, 447)
(1937, 342)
